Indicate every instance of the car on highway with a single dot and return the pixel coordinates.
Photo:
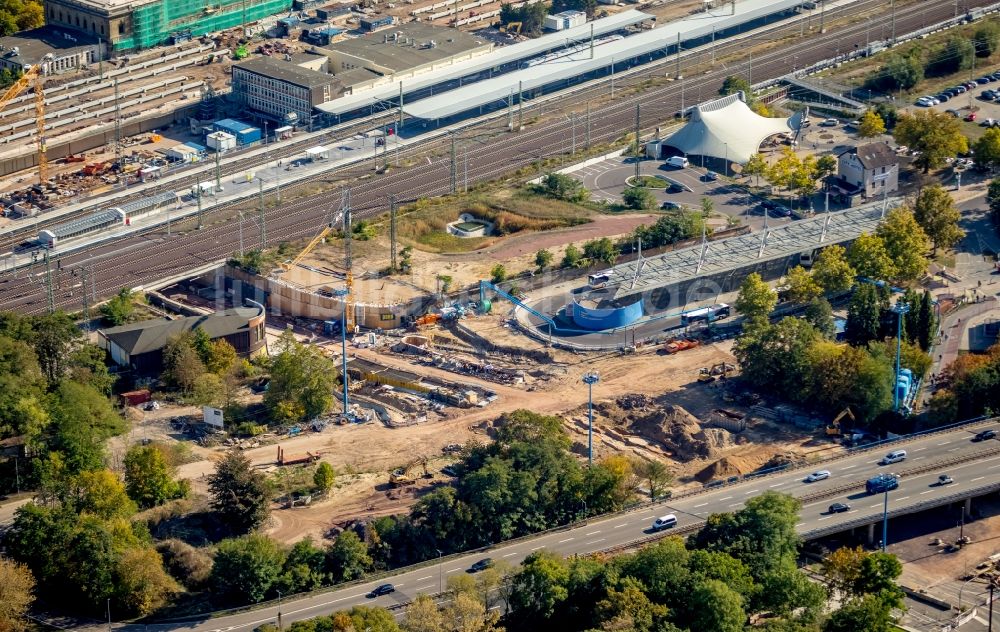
(665, 522)
(893, 457)
(944, 479)
(839, 508)
(481, 565)
(985, 435)
(384, 589)
(818, 476)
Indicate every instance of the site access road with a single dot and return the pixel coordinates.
(141, 259)
(979, 465)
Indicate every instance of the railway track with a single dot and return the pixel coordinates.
(144, 257)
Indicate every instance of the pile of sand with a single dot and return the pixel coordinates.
(668, 425)
(743, 464)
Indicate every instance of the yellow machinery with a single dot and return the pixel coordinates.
(400, 477)
(317, 240)
(34, 76)
(349, 275)
(514, 28)
(834, 429)
(721, 370)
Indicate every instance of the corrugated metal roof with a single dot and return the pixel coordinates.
(498, 57)
(97, 219)
(481, 93)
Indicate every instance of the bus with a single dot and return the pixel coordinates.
(713, 312)
(598, 280)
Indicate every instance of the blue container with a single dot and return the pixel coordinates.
(247, 136)
(230, 126)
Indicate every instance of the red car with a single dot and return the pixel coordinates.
(971, 116)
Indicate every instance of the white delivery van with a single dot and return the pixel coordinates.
(893, 457)
(664, 522)
(678, 161)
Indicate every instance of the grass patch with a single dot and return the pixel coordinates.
(424, 223)
(648, 182)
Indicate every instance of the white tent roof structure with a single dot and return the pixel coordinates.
(728, 129)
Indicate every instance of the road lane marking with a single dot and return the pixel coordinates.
(800, 524)
(346, 598)
(596, 541)
(510, 554)
(593, 532)
(704, 504)
(566, 540)
(875, 505)
(824, 518)
(776, 485)
(917, 458)
(993, 466)
(726, 498)
(944, 443)
(953, 449)
(537, 547)
(420, 579)
(424, 587)
(454, 570)
(902, 499)
(735, 504)
(618, 526)
(752, 491)
(847, 467)
(978, 478)
(919, 449)
(929, 491)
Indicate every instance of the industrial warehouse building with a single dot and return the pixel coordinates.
(136, 24)
(139, 346)
(70, 49)
(275, 87)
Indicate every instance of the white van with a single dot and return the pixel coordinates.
(893, 457)
(664, 522)
(677, 161)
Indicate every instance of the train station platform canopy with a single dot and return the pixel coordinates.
(728, 129)
(695, 27)
(499, 57)
(736, 253)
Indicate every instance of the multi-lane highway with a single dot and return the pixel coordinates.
(972, 465)
(142, 258)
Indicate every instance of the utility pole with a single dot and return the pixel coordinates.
(48, 283)
(263, 220)
(587, 141)
(591, 40)
(750, 69)
(100, 60)
(520, 105)
(713, 44)
(400, 126)
(892, 10)
(637, 141)
(677, 71)
(510, 111)
(118, 128)
(218, 173)
(454, 169)
(200, 222)
(612, 77)
(822, 14)
(392, 232)
(277, 178)
(465, 160)
(86, 300)
(240, 220)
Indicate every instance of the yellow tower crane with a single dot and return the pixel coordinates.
(35, 75)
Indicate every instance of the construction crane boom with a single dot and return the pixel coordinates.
(35, 75)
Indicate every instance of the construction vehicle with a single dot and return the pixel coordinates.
(677, 345)
(834, 428)
(427, 320)
(296, 459)
(512, 28)
(400, 477)
(35, 76)
(721, 371)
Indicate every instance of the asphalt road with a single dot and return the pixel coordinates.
(142, 258)
(618, 530)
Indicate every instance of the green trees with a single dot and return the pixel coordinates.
(733, 84)
(601, 250)
(302, 381)
(906, 243)
(974, 386)
(182, 365)
(239, 494)
(802, 287)
(869, 258)
(246, 568)
(324, 477)
(993, 200)
(532, 17)
(668, 229)
(937, 215)
(871, 125)
(572, 257)
(148, 478)
(900, 72)
(935, 134)
(543, 259)
(348, 557)
(20, 15)
(120, 308)
(499, 273)
(775, 356)
(756, 299)
(957, 54)
(756, 166)
(986, 39)
(638, 198)
(716, 606)
(819, 313)
(864, 314)
(832, 270)
(564, 187)
(986, 150)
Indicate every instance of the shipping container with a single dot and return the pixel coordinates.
(372, 24)
(230, 126)
(134, 398)
(332, 11)
(247, 136)
(221, 141)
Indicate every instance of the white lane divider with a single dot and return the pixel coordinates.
(929, 491)
(420, 579)
(566, 540)
(510, 554)
(618, 526)
(537, 547)
(901, 499)
(454, 570)
(978, 478)
(593, 532)
(701, 505)
(596, 541)
(847, 467)
(752, 491)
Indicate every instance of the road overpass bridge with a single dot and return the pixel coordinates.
(973, 466)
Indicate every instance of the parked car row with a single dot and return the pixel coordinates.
(951, 93)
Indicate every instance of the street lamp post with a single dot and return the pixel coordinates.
(440, 572)
(899, 309)
(279, 611)
(590, 379)
(885, 521)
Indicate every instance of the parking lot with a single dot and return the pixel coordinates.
(606, 181)
(970, 105)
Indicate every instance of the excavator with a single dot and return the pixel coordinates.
(834, 428)
(721, 371)
(512, 28)
(34, 76)
(400, 477)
